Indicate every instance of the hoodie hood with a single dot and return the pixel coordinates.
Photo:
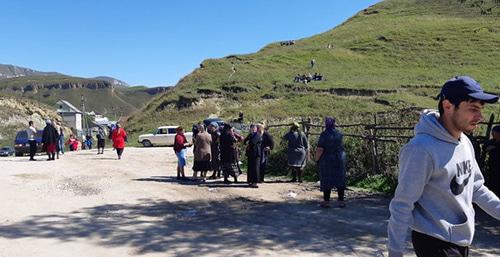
(429, 124)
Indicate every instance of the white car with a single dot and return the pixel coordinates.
(163, 136)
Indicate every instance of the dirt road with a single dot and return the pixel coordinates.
(89, 205)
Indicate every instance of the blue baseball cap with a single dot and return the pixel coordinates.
(463, 86)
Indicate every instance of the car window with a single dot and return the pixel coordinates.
(22, 135)
(172, 131)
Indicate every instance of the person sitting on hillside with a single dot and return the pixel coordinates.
(317, 77)
(297, 78)
(308, 78)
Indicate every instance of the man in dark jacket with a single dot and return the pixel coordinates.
(50, 138)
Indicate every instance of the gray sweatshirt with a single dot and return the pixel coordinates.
(439, 180)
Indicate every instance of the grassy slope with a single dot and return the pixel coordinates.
(394, 43)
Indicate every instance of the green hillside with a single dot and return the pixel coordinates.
(392, 55)
(100, 95)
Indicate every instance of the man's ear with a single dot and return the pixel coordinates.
(447, 105)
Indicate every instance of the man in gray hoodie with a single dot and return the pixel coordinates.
(439, 177)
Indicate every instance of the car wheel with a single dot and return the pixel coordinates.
(146, 143)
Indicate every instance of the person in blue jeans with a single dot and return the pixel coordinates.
(180, 149)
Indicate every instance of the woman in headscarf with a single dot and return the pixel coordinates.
(254, 154)
(60, 139)
(213, 129)
(267, 147)
(50, 138)
(202, 153)
(297, 151)
(330, 156)
(229, 154)
(101, 140)
(119, 138)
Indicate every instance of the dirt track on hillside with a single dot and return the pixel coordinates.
(88, 205)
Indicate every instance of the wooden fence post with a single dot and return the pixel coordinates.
(373, 145)
(308, 127)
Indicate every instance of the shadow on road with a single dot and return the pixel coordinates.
(236, 226)
(193, 181)
(198, 227)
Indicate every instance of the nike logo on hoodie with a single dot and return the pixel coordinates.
(463, 169)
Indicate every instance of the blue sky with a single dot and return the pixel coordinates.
(154, 42)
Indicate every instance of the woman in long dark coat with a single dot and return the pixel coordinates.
(267, 147)
(228, 154)
(50, 138)
(203, 153)
(298, 148)
(254, 154)
(331, 161)
(213, 129)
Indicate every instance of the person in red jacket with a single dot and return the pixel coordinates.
(119, 138)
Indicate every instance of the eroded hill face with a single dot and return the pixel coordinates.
(392, 55)
(15, 114)
(99, 95)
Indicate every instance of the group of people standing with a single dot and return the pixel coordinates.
(217, 149)
(53, 140)
(330, 157)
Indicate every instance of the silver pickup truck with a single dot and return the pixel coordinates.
(163, 136)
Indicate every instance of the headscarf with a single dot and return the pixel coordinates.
(214, 124)
(496, 129)
(330, 122)
(227, 128)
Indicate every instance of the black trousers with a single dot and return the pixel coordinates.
(101, 143)
(32, 148)
(340, 193)
(428, 246)
(119, 151)
(263, 167)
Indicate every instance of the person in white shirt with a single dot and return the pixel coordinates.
(32, 140)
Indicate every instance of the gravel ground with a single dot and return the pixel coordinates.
(86, 204)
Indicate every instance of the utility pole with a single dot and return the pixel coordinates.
(84, 121)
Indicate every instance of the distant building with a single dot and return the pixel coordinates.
(70, 115)
(99, 120)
